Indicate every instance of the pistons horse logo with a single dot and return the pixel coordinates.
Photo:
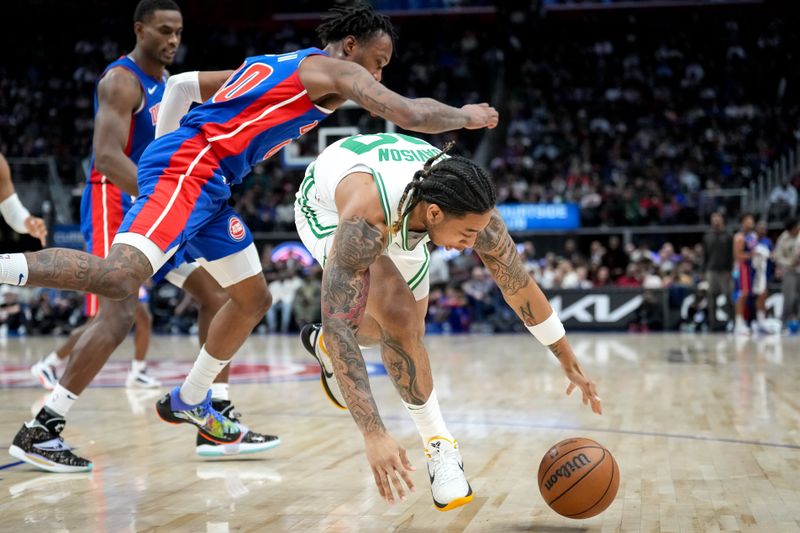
(236, 229)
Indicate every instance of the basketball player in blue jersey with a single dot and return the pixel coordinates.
(184, 183)
(744, 243)
(127, 98)
(763, 271)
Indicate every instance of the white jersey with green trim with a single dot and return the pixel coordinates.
(391, 158)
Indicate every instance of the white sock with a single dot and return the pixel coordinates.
(428, 418)
(52, 360)
(220, 391)
(203, 372)
(13, 269)
(137, 367)
(761, 316)
(61, 400)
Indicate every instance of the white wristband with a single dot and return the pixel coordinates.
(549, 331)
(14, 213)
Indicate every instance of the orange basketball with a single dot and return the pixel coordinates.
(578, 478)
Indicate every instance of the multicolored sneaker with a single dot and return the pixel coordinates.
(39, 443)
(449, 485)
(311, 336)
(251, 442)
(211, 424)
(45, 374)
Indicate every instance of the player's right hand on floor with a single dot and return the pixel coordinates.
(390, 465)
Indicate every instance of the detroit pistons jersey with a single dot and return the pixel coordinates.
(104, 205)
(260, 109)
(750, 243)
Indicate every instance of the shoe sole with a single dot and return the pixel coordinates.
(207, 450)
(45, 464)
(458, 502)
(178, 421)
(328, 392)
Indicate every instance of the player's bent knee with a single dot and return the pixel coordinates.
(123, 287)
(252, 296)
(263, 303)
(115, 322)
(400, 321)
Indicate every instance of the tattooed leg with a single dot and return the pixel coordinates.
(369, 331)
(403, 353)
(408, 366)
(116, 277)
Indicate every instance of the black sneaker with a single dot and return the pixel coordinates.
(39, 443)
(311, 336)
(251, 442)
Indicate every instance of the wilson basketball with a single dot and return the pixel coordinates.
(578, 478)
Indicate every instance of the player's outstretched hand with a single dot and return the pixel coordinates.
(480, 116)
(390, 465)
(37, 228)
(574, 372)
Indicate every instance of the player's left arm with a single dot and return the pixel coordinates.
(182, 91)
(14, 213)
(499, 253)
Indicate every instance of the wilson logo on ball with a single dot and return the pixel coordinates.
(567, 469)
(236, 229)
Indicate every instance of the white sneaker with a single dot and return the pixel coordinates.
(449, 485)
(741, 329)
(311, 336)
(45, 374)
(140, 380)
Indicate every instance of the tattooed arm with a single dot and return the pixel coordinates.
(323, 77)
(499, 253)
(345, 287)
(360, 239)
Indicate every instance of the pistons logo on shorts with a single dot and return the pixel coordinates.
(236, 229)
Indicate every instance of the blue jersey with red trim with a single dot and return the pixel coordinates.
(750, 243)
(261, 108)
(143, 120)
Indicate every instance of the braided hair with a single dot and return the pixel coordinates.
(456, 184)
(358, 20)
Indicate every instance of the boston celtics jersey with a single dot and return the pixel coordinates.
(391, 158)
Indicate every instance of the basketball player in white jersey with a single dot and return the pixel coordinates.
(366, 209)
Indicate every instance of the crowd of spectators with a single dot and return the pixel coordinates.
(640, 119)
(463, 295)
(644, 118)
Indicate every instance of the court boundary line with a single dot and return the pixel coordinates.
(512, 424)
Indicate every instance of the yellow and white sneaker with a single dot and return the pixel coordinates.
(449, 485)
(311, 336)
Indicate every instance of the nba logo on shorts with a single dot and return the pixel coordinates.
(235, 229)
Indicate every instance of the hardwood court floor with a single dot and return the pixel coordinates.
(705, 430)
